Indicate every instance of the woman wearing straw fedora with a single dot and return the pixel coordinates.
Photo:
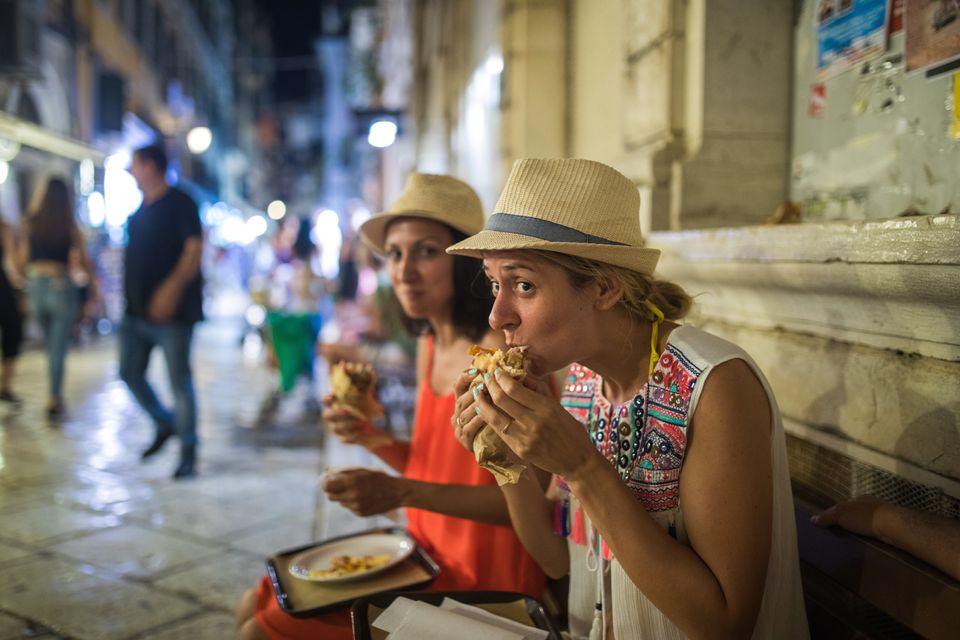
(454, 509)
(671, 506)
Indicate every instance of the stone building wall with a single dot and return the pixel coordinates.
(857, 324)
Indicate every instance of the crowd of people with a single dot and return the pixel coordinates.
(654, 459)
(162, 286)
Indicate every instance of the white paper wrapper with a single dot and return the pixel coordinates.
(528, 632)
(407, 619)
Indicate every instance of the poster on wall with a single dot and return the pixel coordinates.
(849, 32)
(933, 35)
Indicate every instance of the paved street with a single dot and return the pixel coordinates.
(96, 545)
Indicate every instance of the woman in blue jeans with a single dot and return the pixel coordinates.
(51, 237)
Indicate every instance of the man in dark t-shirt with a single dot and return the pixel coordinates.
(162, 285)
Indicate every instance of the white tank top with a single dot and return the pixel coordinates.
(649, 456)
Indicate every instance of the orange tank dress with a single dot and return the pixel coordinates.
(472, 555)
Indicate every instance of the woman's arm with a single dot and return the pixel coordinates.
(531, 511)
(23, 248)
(395, 454)
(352, 430)
(87, 265)
(482, 503)
(716, 585)
(932, 538)
(9, 255)
(368, 492)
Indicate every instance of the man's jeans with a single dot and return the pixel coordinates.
(137, 339)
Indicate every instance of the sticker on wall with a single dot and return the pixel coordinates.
(849, 32)
(896, 16)
(955, 117)
(817, 108)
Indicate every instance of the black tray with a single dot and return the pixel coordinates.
(316, 600)
(360, 611)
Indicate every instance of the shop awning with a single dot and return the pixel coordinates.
(32, 135)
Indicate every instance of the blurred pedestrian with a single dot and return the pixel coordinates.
(11, 320)
(162, 284)
(50, 235)
(293, 321)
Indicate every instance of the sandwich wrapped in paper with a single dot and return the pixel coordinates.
(352, 387)
(491, 451)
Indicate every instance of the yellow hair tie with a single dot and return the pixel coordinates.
(654, 334)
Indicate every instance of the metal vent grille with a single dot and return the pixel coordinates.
(834, 613)
(825, 477)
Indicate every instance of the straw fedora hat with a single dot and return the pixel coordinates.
(440, 198)
(578, 207)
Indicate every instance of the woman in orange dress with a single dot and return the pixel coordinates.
(454, 509)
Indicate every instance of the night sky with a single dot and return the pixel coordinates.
(295, 24)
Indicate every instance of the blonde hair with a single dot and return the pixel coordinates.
(637, 287)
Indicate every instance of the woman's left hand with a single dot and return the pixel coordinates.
(534, 425)
(365, 492)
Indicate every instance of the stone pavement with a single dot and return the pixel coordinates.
(96, 545)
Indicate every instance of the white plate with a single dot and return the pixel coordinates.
(397, 546)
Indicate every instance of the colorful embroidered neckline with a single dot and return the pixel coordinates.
(644, 439)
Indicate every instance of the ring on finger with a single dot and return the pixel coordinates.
(457, 418)
(506, 426)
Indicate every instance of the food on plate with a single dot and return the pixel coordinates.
(490, 450)
(341, 566)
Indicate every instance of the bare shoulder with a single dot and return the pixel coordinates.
(732, 381)
(733, 403)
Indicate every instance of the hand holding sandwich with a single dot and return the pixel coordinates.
(348, 428)
(534, 425)
(490, 451)
(352, 404)
(466, 421)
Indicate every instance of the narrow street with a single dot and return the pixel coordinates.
(96, 545)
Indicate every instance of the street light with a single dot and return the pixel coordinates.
(383, 133)
(256, 226)
(276, 209)
(199, 139)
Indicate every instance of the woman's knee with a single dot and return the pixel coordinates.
(246, 607)
(250, 631)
